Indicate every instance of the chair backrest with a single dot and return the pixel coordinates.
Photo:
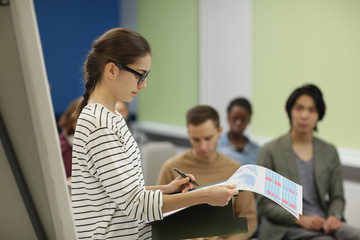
(154, 154)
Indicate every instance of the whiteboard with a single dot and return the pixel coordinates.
(27, 112)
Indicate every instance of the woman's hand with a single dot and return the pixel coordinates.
(215, 195)
(179, 184)
(220, 195)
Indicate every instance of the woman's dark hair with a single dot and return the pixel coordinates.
(68, 119)
(311, 91)
(119, 45)
(241, 102)
(200, 114)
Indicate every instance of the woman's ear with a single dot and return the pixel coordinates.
(110, 70)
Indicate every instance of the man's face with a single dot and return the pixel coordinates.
(204, 139)
(304, 115)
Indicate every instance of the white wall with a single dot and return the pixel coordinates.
(225, 52)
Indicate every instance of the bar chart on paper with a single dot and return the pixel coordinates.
(281, 190)
(270, 184)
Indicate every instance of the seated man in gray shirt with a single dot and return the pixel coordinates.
(313, 163)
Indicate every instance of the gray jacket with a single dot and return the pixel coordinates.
(279, 156)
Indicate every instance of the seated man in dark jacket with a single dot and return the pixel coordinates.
(312, 163)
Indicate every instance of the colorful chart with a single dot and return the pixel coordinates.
(289, 194)
(273, 185)
(269, 184)
(281, 190)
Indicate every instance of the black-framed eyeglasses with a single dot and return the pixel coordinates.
(142, 76)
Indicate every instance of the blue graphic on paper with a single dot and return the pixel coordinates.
(246, 177)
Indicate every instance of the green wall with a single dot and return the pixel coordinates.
(297, 42)
(171, 27)
(294, 42)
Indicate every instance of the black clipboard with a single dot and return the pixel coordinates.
(199, 221)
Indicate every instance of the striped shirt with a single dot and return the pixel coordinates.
(109, 198)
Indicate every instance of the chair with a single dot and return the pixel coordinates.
(154, 154)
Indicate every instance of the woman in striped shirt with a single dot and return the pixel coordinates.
(109, 197)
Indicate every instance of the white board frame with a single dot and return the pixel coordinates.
(26, 108)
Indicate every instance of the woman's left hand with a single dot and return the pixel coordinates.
(180, 184)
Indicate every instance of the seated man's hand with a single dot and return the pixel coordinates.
(313, 223)
(332, 224)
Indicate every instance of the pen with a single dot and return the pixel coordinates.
(184, 176)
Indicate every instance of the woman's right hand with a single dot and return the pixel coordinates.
(220, 195)
(180, 184)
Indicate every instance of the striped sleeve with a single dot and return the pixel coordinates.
(114, 161)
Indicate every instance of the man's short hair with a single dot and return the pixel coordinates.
(200, 114)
